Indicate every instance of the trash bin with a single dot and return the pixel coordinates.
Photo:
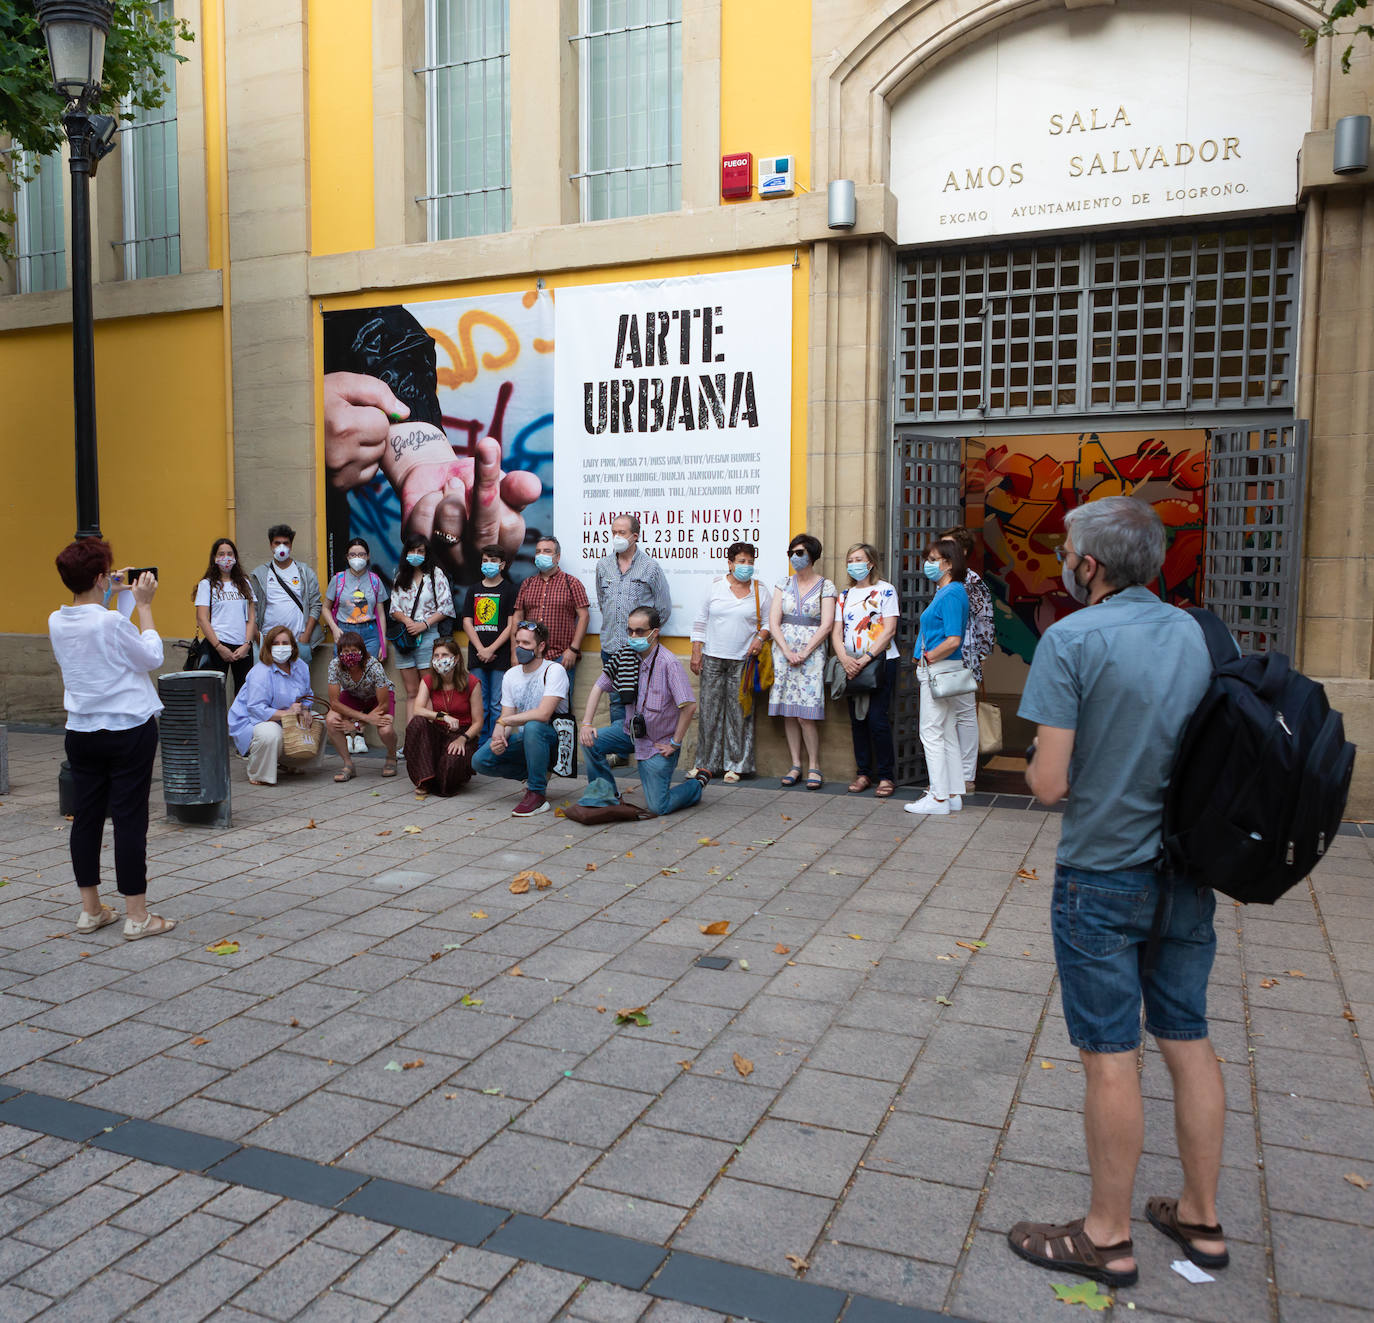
(194, 730)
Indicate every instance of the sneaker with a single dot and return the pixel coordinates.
(928, 804)
(955, 802)
(530, 805)
(616, 760)
(356, 744)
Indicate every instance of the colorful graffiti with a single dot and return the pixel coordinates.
(1029, 485)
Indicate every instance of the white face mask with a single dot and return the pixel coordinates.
(443, 664)
(282, 554)
(620, 544)
(281, 653)
(357, 564)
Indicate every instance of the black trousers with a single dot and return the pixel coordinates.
(112, 772)
(240, 668)
(874, 753)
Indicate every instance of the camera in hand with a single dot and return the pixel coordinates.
(638, 728)
(145, 569)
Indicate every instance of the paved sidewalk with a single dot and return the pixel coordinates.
(878, 1084)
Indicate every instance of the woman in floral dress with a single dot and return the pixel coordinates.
(800, 619)
(979, 641)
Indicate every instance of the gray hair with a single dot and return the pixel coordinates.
(1125, 536)
(549, 537)
(634, 521)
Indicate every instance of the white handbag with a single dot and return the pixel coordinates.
(951, 683)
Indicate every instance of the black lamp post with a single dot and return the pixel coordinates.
(75, 31)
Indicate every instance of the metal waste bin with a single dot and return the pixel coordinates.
(194, 730)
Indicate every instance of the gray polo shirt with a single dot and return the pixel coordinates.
(1124, 676)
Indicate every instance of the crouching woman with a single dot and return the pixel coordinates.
(274, 690)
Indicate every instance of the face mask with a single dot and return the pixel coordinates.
(524, 656)
(639, 645)
(351, 658)
(416, 558)
(281, 652)
(742, 572)
(1079, 592)
(225, 562)
(281, 553)
(109, 592)
(490, 569)
(619, 544)
(357, 564)
(931, 569)
(858, 569)
(443, 664)
(543, 562)
(800, 560)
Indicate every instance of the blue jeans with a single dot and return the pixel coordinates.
(526, 757)
(1101, 924)
(655, 774)
(489, 677)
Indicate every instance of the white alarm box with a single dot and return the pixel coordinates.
(776, 176)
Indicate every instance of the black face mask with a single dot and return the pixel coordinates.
(524, 655)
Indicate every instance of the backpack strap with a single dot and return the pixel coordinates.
(1221, 647)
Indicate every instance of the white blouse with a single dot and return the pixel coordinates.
(105, 660)
(726, 624)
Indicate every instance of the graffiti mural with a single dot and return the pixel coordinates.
(1029, 485)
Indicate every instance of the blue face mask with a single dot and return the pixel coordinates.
(639, 645)
(742, 572)
(800, 560)
(416, 558)
(490, 569)
(932, 571)
(524, 656)
(543, 562)
(858, 569)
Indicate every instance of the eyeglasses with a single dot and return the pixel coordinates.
(639, 633)
(1062, 552)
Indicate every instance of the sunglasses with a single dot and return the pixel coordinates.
(639, 633)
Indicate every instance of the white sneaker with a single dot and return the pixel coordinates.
(927, 804)
(356, 744)
(955, 802)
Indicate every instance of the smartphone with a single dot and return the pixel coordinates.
(143, 569)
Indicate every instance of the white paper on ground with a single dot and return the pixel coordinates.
(1187, 1268)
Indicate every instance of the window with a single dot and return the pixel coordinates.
(467, 99)
(148, 152)
(631, 77)
(40, 249)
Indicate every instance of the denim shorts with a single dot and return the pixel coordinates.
(421, 655)
(1101, 924)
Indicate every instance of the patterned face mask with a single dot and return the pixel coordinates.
(351, 658)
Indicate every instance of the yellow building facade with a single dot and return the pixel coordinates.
(1017, 318)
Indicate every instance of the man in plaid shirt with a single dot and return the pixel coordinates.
(557, 600)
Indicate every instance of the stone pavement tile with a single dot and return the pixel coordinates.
(174, 1250)
(570, 1027)
(774, 1060)
(661, 1164)
(169, 1203)
(387, 1272)
(800, 1157)
(204, 1116)
(356, 1235)
(921, 979)
(730, 988)
(674, 1311)
(997, 1051)
(240, 1204)
(871, 1053)
(786, 1017)
(524, 1172)
(1313, 1124)
(1012, 972)
(600, 1302)
(522, 1070)
(1264, 931)
(885, 1276)
(564, 964)
(1328, 1035)
(40, 1150)
(276, 1081)
(475, 1267)
(15, 1256)
(619, 1214)
(584, 1113)
(916, 1218)
(52, 1185)
(321, 1126)
(104, 1298)
(522, 998)
(842, 1102)
(1314, 1184)
(410, 1000)
(152, 1086)
(263, 1242)
(370, 1079)
(755, 1225)
(867, 1009)
(462, 1032)
(349, 1037)
(196, 1293)
(617, 987)
(283, 1291)
(18, 1305)
(60, 1225)
(164, 982)
(815, 982)
(937, 1150)
(85, 1256)
(366, 973)
(685, 1024)
(307, 1003)
(532, 1294)
(996, 1008)
(1295, 1309)
(236, 1043)
(997, 1286)
(1239, 1292)
(716, 1108)
(54, 1080)
(460, 1124)
(1024, 1193)
(1308, 995)
(269, 976)
(400, 1162)
(434, 1299)
(118, 1047)
(960, 1093)
(200, 1009)
(1046, 1137)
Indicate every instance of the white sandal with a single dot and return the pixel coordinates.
(89, 923)
(133, 931)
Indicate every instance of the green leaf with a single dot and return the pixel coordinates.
(495, 1090)
(392, 1065)
(634, 1017)
(471, 1001)
(1082, 1293)
(943, 1001)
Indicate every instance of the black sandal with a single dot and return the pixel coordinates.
(1074, 1251)
(1163, 1216)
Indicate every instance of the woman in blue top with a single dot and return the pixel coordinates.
(271, 694)
(941, 645)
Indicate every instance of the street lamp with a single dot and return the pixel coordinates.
(75, 31)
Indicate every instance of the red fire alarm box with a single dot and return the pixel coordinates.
(737, 175)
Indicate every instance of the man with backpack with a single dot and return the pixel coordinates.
(1111, 689)
(287, 591)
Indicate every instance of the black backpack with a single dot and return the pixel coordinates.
(1260, 779)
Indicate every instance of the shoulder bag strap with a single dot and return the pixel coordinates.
(758, 608)
(290, 592)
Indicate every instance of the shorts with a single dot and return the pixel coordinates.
(1101, 924)
(358, 705)
(422, 653)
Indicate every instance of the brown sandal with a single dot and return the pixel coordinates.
(347, 774)
(389, 768)
(860, 783)
(1163, 1215)
(1072, 1251)
(884, 790)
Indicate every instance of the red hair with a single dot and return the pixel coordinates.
(82, 562)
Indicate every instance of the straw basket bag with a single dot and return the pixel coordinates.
(301, 744)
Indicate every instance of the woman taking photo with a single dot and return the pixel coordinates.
(420, 599)
(442, 735)
(359, 694)
(272, 693)
(225, 612)
(865, 626)
(800, 618)
(354, 600)
(111, 740)
(940, 639)
(731, 628)
(979, 640)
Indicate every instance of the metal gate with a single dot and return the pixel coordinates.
(925, 500)
(1255, 480)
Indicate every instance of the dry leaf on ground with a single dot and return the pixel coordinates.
(629, 854)
(686, 1065)
(943, 1001)
(742, 1064)
(633, 1015)
(384, 833)
(971, 946)
(295, 1023)
(856, 937)
(199, 1042)
(1047, 1065)
(519, 884)
(1356, 1179)
(224, 947)
(1028, 874)
(1346, 1014)
(706, 840)
(717, 929)
(1269, 983)
(589, 868)
(413, 1065)
(1295, 973)
(780, 949)
(310, 824)
(411, 830)
(479, 914)
(516, 972)
(799, 1264)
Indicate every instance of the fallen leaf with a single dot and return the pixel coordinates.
(1269, 983)
(225, 947)
(766, 841)
(1356, 1179)
(392, 1065)
(629, 854)
(686, 1065)
(633, 1015)
(470, 1001)
(706, 840)
(199, 1042)
(780, 949)
(972, 946)
(742, 1064)
(1346, 1014)
(86, 954)
(589, 868)
(856, 937)
(295, 1023)
(450, 1096)
(310, 824)
(1295, 973)
(784, 817)
(558, 812)
(413, 1065)
(710, 872)
(516, 972)
(1047, 1065)
(478, 914)
(799, 1264)
(435, 955)
(1028, 874)
(412, 830)
(519, 885)
(1082, 1293)
(495, 1090)
(668, 872)
(744, 965)
(601, 1010)
(717, 929)
(791, 962)
(384, 833)
(943, 1001)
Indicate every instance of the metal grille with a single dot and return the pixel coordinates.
(1255, 479)
(925, 501)
(467, 105)
(1144, 323)
(631, 123)
(40, 248)
(148, 157)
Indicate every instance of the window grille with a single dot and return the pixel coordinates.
(1142, 323)
(148, 163)
(467, 104)
(631, 78)
(40, 248)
